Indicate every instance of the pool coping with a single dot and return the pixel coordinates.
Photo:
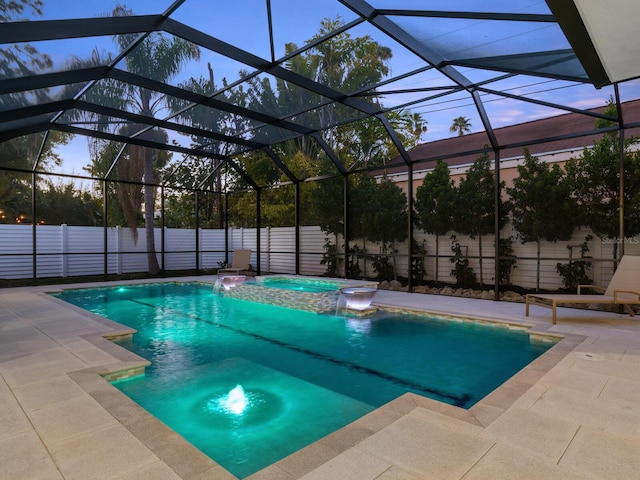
(187, 461)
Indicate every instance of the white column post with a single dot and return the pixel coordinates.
(65, 249)
(118, 250)
(267, 267)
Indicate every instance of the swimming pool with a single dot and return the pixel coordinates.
(303, 375)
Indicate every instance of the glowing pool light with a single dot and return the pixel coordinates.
(235, 401)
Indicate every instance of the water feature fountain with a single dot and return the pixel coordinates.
(240, 407)
(356, 301)
(235, 401)
(227, 282)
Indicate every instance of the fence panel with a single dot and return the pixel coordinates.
(180, 250)
(49, 245)
(114, 259)
(15, 251)
(282, 249)
(133, 256)
(312, 240)
(84, 248)
(211, 248)
(78, 250)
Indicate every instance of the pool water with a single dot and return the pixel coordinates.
(303, 375)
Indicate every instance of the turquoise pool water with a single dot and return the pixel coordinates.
(304, 375)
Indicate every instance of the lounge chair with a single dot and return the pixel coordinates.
(239, 262)
(622, 290)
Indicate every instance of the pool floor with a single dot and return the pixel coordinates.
(273, 424)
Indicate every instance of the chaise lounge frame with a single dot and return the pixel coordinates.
(241, 261)
(619, 292)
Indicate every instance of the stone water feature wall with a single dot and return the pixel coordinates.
(317, 302)
(323, 302)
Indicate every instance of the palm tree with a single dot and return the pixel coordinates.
(461, 125)
(159, 58)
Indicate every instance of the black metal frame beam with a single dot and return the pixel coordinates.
(47, 80)
(41, 30)
(539, 72)
(500, 16)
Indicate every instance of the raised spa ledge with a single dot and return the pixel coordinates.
(338, 282)
(314, 294)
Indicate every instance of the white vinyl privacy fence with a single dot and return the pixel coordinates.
(68, 251)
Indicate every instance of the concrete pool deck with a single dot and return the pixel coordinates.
(574, 413)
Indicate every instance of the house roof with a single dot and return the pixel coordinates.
(570, 131)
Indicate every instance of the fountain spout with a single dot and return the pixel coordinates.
(226, 282)
(235, 401)
(355, 299)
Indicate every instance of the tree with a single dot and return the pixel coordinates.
(21, 59)
(15, 195)
(461, 271)
(345, 64)
(9, 10)
(64, 203)
(541, 204)
(461, 125)
(476, 203)
(102, 156)
(436, 203)
(386, 221)
(362, 188)
(596, 180)
(160, 58)
(192, 172)
(277, 203)
(21, 154)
